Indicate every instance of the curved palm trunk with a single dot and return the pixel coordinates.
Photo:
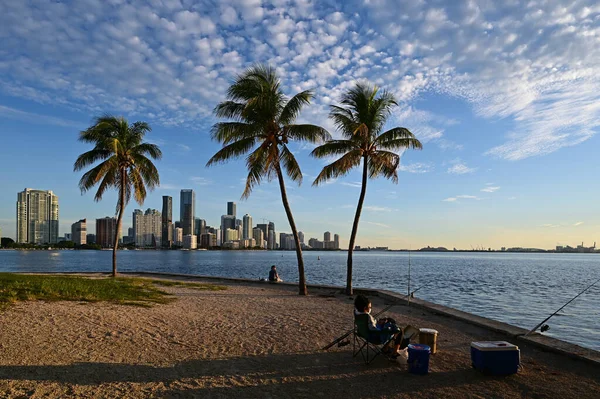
(361, 200)
(119, 222)
(302, 290)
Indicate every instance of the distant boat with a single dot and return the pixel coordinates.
(318, 258)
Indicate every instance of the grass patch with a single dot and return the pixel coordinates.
(127, 291)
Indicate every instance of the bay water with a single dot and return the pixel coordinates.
(516, 288)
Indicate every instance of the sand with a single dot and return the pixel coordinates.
(249, 341)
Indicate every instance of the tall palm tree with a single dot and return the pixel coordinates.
(126, 164)
(260, 127)
(360, 119)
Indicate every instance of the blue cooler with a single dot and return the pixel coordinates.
(418, 358)
(495, 357)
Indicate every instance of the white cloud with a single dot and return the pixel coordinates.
(379, 224)
(578, 224)
(377, 208)
(417, 167)
(184, 147)
(463, 196)
(355, 184)
(460, 168)
(31, 117)
(490, 189)
(201, 181)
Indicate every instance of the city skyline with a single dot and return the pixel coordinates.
(507, 118)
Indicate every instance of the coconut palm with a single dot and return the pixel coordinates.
(260, 126)
(360, 119)
(125, 164)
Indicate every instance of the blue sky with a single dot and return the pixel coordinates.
(503, 96)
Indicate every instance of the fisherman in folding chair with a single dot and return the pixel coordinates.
(374, 337)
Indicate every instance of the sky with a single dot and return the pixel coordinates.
(503, 95)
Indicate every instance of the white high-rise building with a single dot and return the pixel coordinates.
(231, 235)
(37, 217)
(147, 228)
(247, 231)
(79, 232)
(190, 241)
(336, 241)
(178, 236)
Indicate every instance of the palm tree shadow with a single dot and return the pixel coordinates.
(277, 375)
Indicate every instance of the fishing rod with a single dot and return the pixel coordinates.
(377, 314)
(561, 308)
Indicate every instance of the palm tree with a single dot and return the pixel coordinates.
(260, 127)
(360, 119)
(125, 164)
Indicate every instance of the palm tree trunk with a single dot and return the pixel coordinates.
(119, 223)
(302, 290)
(361, 200)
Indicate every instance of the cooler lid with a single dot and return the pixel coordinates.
(428, 331)
(494, 346)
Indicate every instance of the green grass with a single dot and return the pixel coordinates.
(196, 286)
(125, 291)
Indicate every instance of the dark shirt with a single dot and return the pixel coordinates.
(273, 275)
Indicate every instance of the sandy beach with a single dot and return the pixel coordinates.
(249, 341)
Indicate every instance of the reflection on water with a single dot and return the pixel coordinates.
(520, 289)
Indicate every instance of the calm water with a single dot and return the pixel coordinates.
(520, 289)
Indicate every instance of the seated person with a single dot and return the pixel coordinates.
(273, 276)
(380, 330)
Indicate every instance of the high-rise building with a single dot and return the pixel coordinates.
(231, 208)
(230, 235)
(227, 222)
(106, 229)
(336, 241)
(187, 211)
(37, 217)
(247, 227)
(79, 232)
(286, 241)
(147, 228)
(90, 239)
(208, 240)
(271, 240)
(258, 236)
(264, 229)
(199, 226)
(301, 237)
(167, 222)
(178, 236)
(327, 236)
(315, 244)
(190, 241)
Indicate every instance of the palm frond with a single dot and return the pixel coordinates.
(339, 168)
(257, 168)
(99, 172)
(291, 165)
(233, 150)
(137, 182)
(384, 163)
(91, 157)
(294, 105)
(228, 132)
(310, 133)
(335, 147)
(230, 110)
(108, 180)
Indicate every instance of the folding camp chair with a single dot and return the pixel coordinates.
(369, 343)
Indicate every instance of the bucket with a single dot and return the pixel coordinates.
(428, 336)
(418, 359)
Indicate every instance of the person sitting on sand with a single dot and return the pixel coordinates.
(273, 276)
(380, 330)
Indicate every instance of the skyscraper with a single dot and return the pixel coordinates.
(105, 232)
(187, 211)
(247, 227)
(264, 229)
(37, 217)
(301, 237)
(167, 222)
(258, 236)
(147, 228)
(79, 232)
(231, 208)
(336, 241)
(327, 236)
(271, 240)
(227, 222)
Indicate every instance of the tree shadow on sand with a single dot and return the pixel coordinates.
(276, 375)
